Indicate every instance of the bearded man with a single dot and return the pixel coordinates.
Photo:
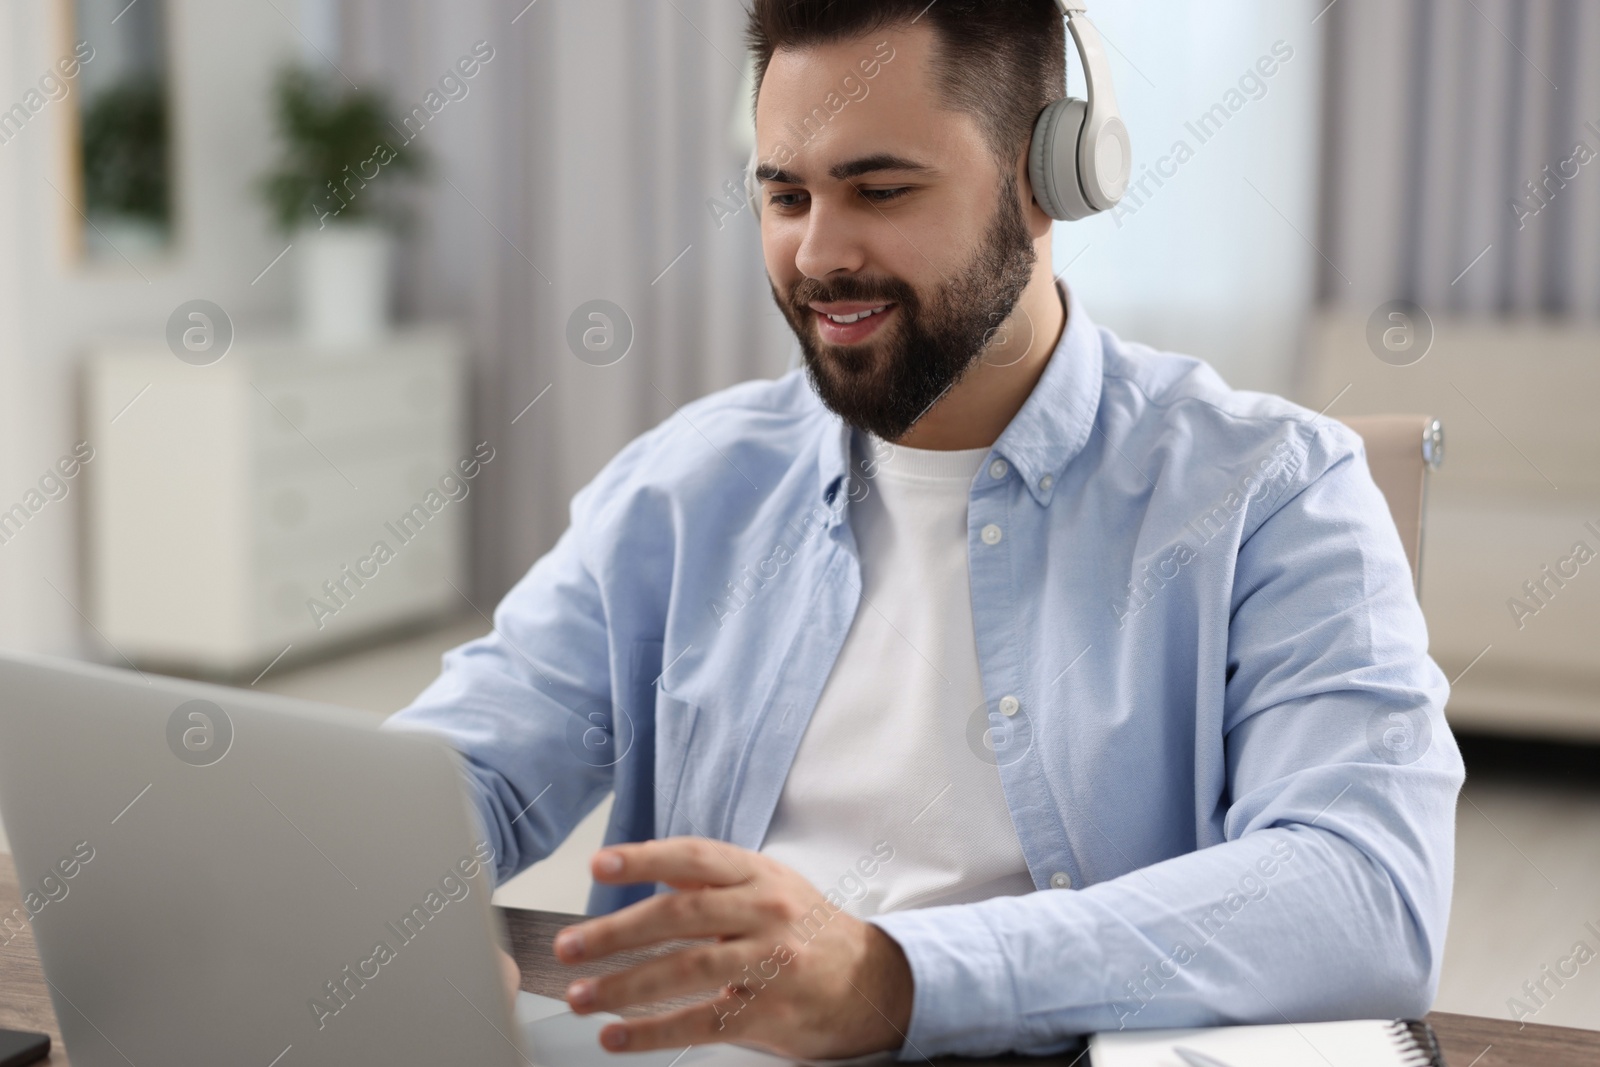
(993, 680)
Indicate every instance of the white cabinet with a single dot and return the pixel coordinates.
(279, 499)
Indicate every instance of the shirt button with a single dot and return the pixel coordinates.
(1045, 483)
(998, 469)
(1009, 706)
(991, 534)
(1061, 880)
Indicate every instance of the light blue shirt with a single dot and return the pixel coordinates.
(1226, 757)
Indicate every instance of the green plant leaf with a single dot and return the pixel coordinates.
(341, 152)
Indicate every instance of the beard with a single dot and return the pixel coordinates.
(886, 384)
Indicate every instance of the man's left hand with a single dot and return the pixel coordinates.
(794, 975)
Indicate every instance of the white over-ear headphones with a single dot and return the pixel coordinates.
(1080, 158)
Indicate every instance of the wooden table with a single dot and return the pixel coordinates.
(1468, 1040)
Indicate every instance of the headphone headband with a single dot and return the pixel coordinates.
(1105, 157)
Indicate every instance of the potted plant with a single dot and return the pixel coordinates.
(126, 189)
(333, 194)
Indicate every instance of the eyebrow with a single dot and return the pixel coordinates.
(844, 171)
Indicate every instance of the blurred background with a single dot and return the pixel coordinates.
(282, 280)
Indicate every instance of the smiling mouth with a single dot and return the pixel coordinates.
(854, 328)
(845, 320)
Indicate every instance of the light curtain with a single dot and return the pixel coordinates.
(1462, 156)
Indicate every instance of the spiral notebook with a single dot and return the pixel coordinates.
(1359, 1043)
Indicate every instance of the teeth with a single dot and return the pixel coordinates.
(845, 320)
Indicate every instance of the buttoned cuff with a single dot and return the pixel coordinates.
(964, 1001)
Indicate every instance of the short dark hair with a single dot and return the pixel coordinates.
(1002, 61)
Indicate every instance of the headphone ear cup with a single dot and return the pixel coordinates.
(1105, 163)
(1053, 160)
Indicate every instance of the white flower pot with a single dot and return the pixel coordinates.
(343, 283)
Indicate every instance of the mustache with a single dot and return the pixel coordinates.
(811, 291)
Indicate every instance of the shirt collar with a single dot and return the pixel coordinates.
(1055, 421)
(1050, 428)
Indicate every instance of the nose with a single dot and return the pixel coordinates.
(832, 242)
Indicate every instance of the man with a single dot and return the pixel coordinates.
(996, 681)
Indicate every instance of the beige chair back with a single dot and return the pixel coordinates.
(1401, 450)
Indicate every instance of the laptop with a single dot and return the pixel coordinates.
(221, 876)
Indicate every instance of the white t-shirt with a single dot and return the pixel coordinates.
(887, 804)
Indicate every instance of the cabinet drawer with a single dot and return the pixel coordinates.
(290, 507)
(330, 404)
(414, 583)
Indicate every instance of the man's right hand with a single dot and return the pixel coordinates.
(512, 975)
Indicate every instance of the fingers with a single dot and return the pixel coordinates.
(698, 1024)
(678, 861)
(691, 970)
(664, 917)
(510, 973)
(509, 969)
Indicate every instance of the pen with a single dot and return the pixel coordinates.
(1197, 1059)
